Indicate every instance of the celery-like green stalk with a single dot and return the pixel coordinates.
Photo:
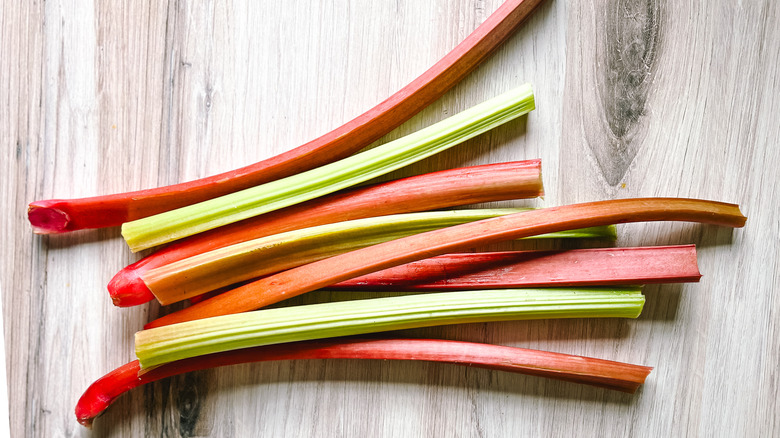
(175, 224)
(232, 264)
(317, 321)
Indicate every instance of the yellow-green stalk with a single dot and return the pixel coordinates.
(175, 224)
(345, 318)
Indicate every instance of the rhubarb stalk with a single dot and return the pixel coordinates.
(323, 273)
(346, 318)
(244, 261)
(431, 191)
(507, 269)
(186, 221)
(63, 215)
(578, 369)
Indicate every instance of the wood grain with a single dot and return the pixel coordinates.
(634, 98)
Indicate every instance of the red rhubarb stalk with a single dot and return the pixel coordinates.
(323, 273)
(470, 271)
(578, 369)
(63, 215)
(448, 188)
(511, 269)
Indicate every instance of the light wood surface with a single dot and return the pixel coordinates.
(634, 98)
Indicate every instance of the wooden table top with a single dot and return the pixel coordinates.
(642, 98)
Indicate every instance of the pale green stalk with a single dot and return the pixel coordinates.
(175, 224)
(346, 318)
(212, 270)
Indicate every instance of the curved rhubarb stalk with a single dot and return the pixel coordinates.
(63, 215)
(510, 269)
(578, 369)
(431, 191)
(323, 273)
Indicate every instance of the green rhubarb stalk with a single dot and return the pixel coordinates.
(345, 318)
(175, 224)
(236, 263)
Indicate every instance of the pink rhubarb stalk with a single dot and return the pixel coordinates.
(63, 215)
(448, 188)
(323, 273)
(578, 369)
(512, 269)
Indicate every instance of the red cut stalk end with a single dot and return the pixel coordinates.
(105, 390)
(64, 215)
(128, 289)
(45, 218)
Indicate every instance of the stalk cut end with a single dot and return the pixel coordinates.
(127, 289)
(105, 390)
(45, 218)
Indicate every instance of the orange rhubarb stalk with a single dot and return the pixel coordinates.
(447, 188)
(63, 215)
(215, 270)
(323, 273)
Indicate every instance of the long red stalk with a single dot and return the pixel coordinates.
(510, 269)
(578, 369)
(323, 273)
(447, 188)
(63, 215)
(519, 269)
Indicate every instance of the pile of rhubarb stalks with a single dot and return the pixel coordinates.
(236, 243)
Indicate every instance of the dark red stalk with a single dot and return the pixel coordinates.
(578, 369)
(447, 188)
(323, 273)
(63, 215)
(576, 267)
